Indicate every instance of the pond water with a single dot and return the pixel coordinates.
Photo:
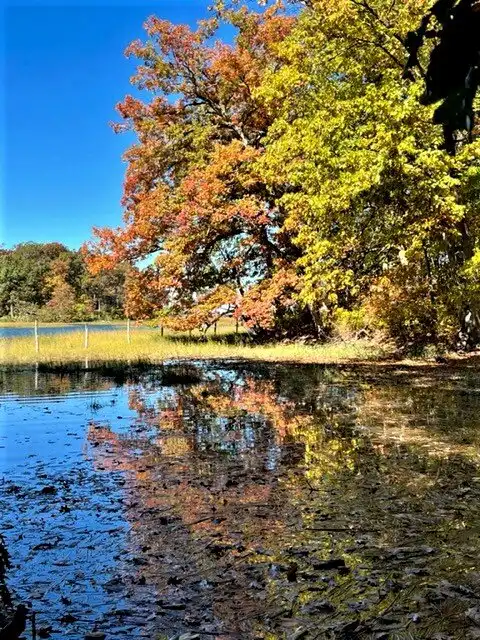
(20, 332)
(241, 501)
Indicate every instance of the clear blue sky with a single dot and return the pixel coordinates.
(63, 72)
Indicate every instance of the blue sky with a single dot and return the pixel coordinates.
(63, 71)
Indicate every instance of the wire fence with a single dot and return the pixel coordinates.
(86, 334)
(88, 328)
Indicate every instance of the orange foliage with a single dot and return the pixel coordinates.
(193, 193)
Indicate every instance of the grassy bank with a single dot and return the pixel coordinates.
(151, 347)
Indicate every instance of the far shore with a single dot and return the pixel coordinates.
(19, 324)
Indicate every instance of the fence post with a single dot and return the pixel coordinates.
(161, 330)
(37, 348)
(128, 331)
(215, 328)
(236, 326)
(86, 336)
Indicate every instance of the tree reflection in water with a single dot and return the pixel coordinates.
(242, 486)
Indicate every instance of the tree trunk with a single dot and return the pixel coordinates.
(317, 323)
(469, 312)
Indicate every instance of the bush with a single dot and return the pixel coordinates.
(403, 304)
(24, 312)
(351, 325)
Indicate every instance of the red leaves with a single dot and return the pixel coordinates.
(260, 305)
(131, 108)
(192, 188)
(134, 49)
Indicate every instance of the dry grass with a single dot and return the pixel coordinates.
(150, 347)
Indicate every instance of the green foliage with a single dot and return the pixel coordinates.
(349, 325)
(22, 274)
(50, 283)
(367, 186)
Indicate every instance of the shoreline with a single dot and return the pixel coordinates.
(76, 351)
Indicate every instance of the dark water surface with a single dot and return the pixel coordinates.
(228, 501)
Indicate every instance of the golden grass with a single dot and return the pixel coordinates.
(149, 347)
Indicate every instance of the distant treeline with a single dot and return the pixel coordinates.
(50, 282)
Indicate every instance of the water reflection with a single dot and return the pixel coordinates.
(261, 501)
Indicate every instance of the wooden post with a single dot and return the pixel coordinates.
(128, 331)
(215, 328)
(236, 326)
(37, 348)
(85, 344)
(86, 375)
(161, 330)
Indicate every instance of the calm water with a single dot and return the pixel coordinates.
(18, 332)
(244, 502)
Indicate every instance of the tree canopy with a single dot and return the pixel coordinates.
(300, 173)
(50, 282)
(193, 192)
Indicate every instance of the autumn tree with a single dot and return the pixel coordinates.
(377, 206)
(62, 303)
(299, 173)
(195, 201)
(452, 80)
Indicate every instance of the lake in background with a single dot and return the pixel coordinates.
(19, 332)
